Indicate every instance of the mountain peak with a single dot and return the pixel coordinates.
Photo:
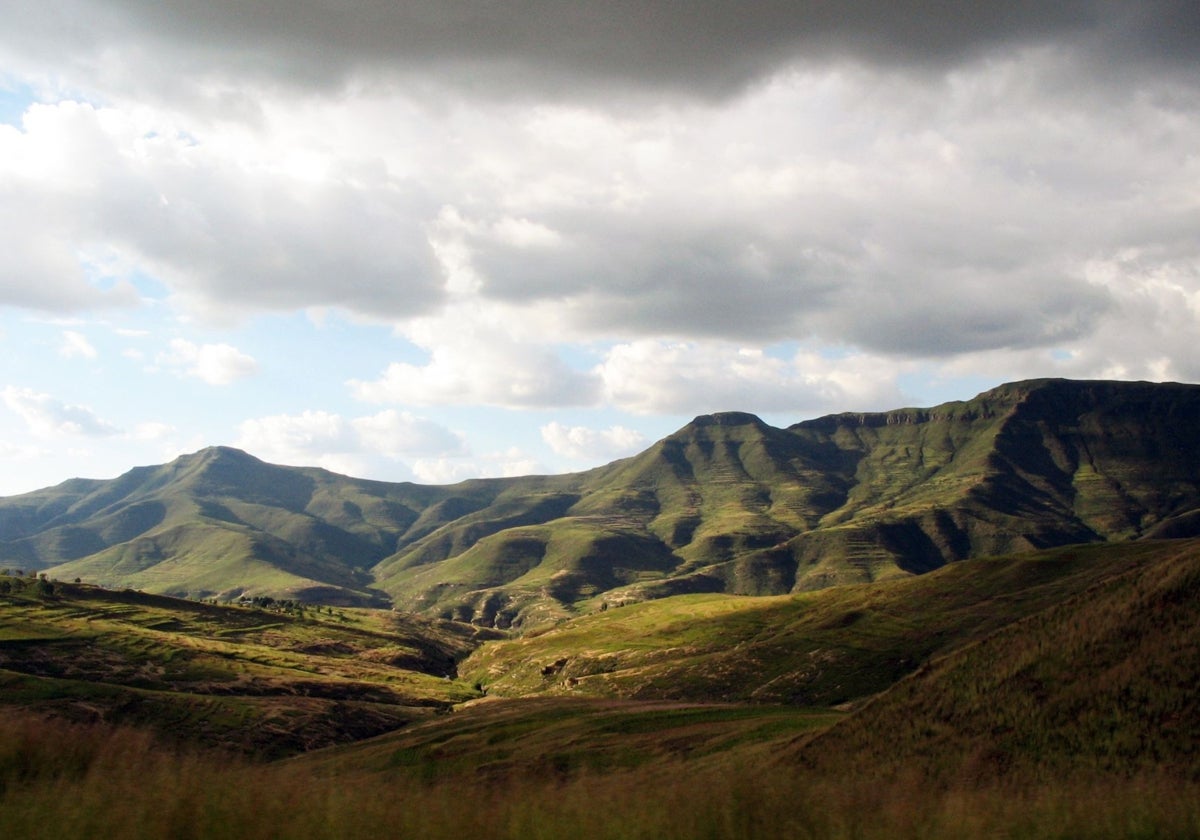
(207, 461)
(224, 470)
(218, 453)
(727, 418)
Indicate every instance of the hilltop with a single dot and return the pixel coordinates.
(727, 504)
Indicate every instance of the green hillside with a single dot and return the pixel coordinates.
(1101, 682)
(218, 523)
(1097, 638)
(819, 648)
(1073, 664)
(727, 504)
(268, 679)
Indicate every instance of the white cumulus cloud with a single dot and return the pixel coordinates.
(49, 417)
(478, 359)
(399, 433)
(509, 463)
(582, 443)
(216, 364)
(360, 446)
(649, 377)
(152, 430)
(297, 438)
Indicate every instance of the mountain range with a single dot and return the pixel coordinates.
(726, 504)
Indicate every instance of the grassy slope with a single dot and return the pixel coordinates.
(1103, 681)
(1077, 667)
(559, 738)
(216, 523)
(196, 557)
(816, 648)
(903, 469)
(248, 679)
(710, 508)
(1024, 466)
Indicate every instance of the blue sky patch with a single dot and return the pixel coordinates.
(14, 102)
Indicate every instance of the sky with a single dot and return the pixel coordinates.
(441, 239)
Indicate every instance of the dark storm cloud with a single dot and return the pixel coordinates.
(661, 274)
(949, 313)
(705, 48)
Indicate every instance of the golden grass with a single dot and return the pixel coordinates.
(67, 781)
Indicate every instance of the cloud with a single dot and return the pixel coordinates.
(1156, 308)
(509, 463)
(398, 433)
(652, 377)
(76, 346)
(96, 196)
(805, 209)
(353, 446)
(475, 358)
(16, 453)
(48, 417)
(298, 439)
(152, 430)
(582, 443)
(986, 193)
(445, 470)
(203, 49)
(645, 376)
(505, 377)
(216, 364)
(40, 268)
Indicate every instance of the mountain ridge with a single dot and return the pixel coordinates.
(727, 503)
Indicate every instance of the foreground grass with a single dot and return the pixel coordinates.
(59, 780)
(564, 738)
